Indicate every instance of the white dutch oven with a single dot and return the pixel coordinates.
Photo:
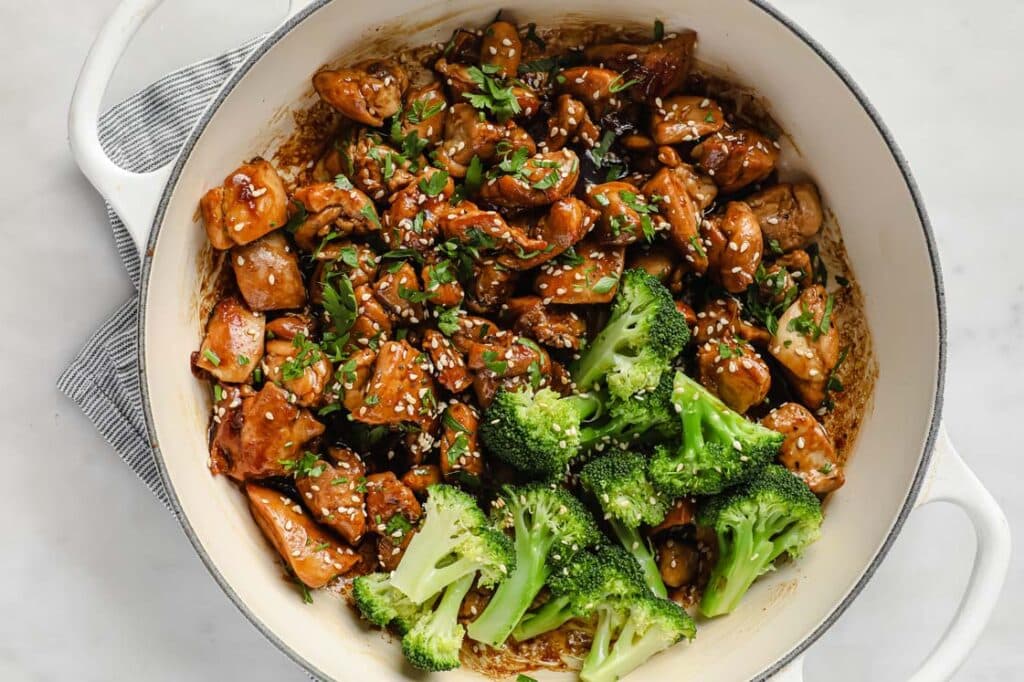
(903, 458)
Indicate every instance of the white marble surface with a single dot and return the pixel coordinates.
(97, 581)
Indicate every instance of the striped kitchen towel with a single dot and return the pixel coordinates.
(140, 134)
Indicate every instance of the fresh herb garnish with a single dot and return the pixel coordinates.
(493, 364)
(493, 96)
(448, 321)
(211, 357)
(435, 184)
(605, 284)
(615, 86)
(305, 466)
(342, 182)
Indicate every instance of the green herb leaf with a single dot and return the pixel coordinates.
(448, 321)
(342, 182)
(605, 284)
(435, 184)
(493, 364)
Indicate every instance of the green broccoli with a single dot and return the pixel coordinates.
(434, 641)
(455, 540)
(538, 433)
(649, 625)
(642, 418)
(607, 578)
(382, 604)
(644, 333)
(620, 483)
(549, 526)
(772, 514)
(719, 448)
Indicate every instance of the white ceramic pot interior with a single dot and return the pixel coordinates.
(840, 148)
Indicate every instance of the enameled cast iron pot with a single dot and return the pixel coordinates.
(903, 458)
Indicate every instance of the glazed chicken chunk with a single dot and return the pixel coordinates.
(684, 118)
(807, 344)
(333, 209)
(395, 386)
(734, 372)
(807, 451)
(657, 68)
(678, 209)
(251, 202)
(233, 344)
(735, 159)
(333, 493)
(299, 366)
(312, 555)
(366, 94)
(790, 214)
(540, 181)
(449, 367)
(593, 277)
(566, 223)
(551, 325)
(733, 245)
(267, 273)
(461, 457)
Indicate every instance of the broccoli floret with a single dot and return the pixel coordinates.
(538, 433)
(719, 448)
(608, 577)
(620, 483)
(433, 643)
(549, 525)
(772, 514)
(642, 418)
(644, 333)
(650, 625)
(455, 540)
(382, 604)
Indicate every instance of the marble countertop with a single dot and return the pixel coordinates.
(99, 583)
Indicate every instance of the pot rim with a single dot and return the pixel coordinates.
(940, 301)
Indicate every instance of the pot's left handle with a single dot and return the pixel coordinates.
(133, 196)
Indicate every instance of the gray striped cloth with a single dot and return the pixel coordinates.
(140, 134)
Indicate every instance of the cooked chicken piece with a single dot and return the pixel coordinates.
(486, 229)
(734, 372)
(684, 118)
(790, 215)
(411, 220)
(678, 562)
(290, 325)
(658, 262)
(736, 255)
(391, 547)
(682, 513)
(398, 389)
(267, 273)
(566, 223)
(658, 68)
(701, 187)
(570, 123)
(509, 356)
(501, 49)
(261, 434)
(333, 210)
(461, 81)
(370, 165)
(299, 367)
(250, 203)
(386, 497)
(358, 262)
(460, 451)
(367, 94)
(449, 365)
(421, 440)
(467, 134)
(398, 290)
(332, 494)
(313, 556)
(372, 321)
(594, 278)
(486, 386)
(798, 264)
(721, 319)
(440, 283)
(785, 276)
(736, 158)
(424, 112)
(807, 450)
(553, 326)
(233, 344)
(463, 46)
(598, 88)
(806, 344)
(542, 180)
(678, 209)
(421, 477)
(626, 215)
(491, 284)
(474, 329)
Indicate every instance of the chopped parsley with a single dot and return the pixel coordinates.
(448, 321)
(493, 364)
(435, 184)
(494, 97)
(308, 465)
(307, 353)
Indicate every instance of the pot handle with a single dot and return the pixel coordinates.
(133, 196)
(949, 479)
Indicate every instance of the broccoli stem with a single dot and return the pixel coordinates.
(602, 641)
(628, 654)
(515, 594)
(599, 358)
(638, 546)
(745, 558)
(554, 613)
(447, 611)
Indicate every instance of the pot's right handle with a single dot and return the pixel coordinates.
(949, 479)
(133, 196)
